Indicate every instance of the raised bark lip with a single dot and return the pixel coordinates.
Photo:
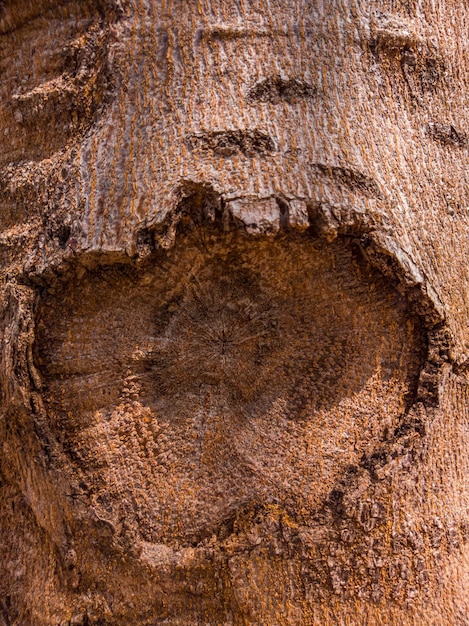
(345, 202)
(332, 185)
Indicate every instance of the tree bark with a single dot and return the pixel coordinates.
(234, 292)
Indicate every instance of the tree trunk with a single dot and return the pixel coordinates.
(235, 299)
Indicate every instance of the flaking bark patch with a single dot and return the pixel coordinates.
(234, 142)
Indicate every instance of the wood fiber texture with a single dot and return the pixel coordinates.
(234, 312)
(243, 373)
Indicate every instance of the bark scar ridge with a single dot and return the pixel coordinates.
(275, 89)
(231, 142)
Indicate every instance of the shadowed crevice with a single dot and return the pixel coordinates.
(275, 89)
(233, 142)
(349, 178)
(448, 135)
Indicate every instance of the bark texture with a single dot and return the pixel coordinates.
(235, 295)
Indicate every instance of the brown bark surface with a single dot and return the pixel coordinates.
(235, 294)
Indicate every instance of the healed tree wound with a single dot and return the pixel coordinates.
(225, 376)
